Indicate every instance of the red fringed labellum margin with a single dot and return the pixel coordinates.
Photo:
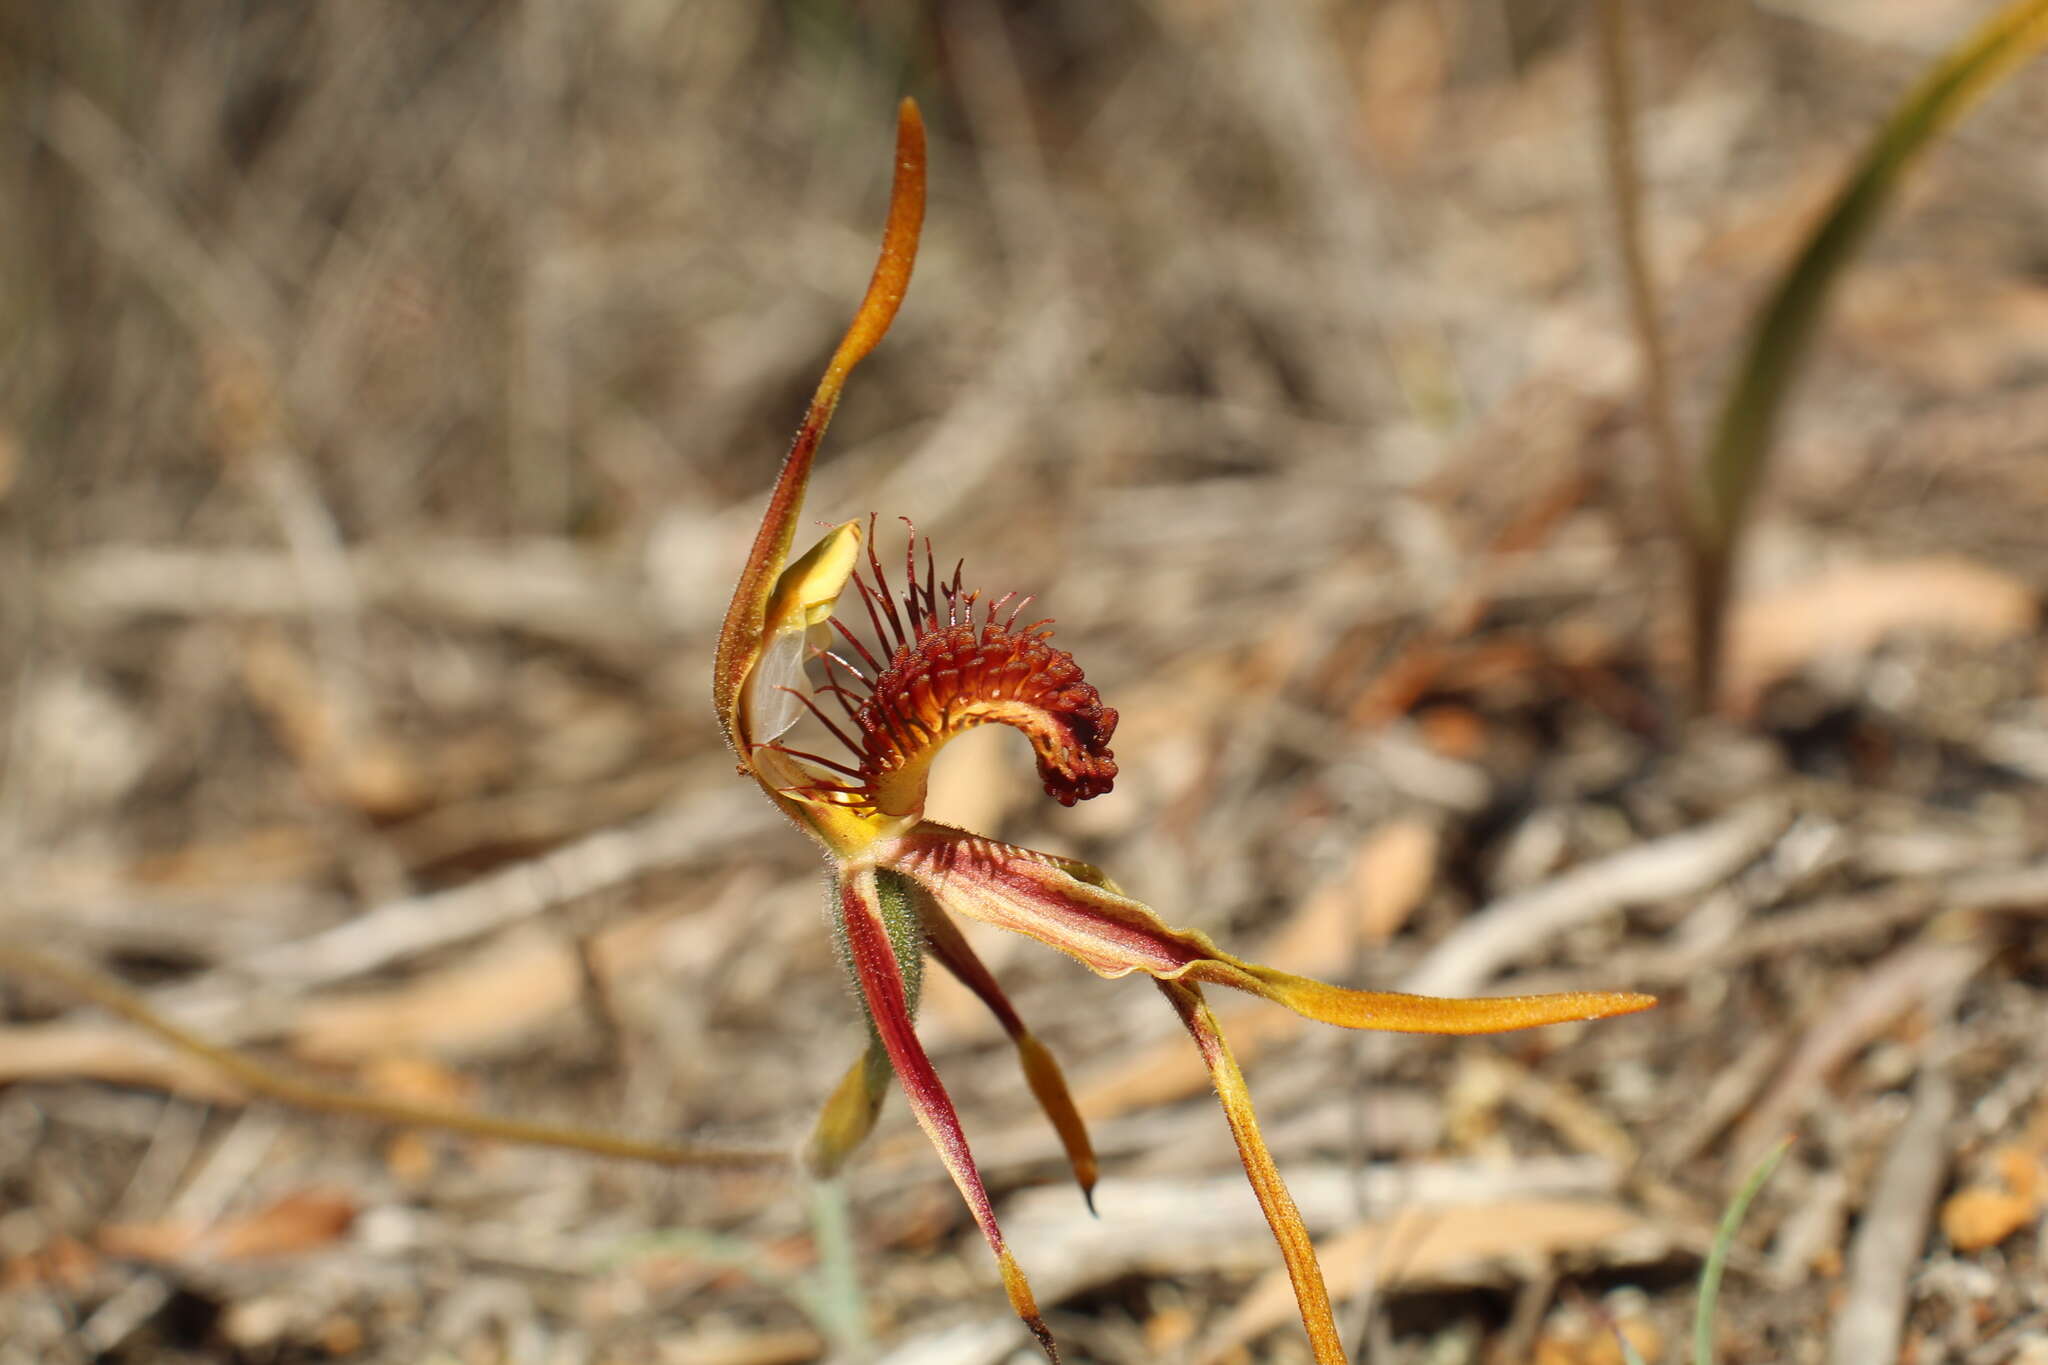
(954, 661)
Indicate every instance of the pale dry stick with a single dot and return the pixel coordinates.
(2019, 888)
(1437, 1246)
(1811, 1234)
(1848, 920)
(116, 581)
(1216, 1229)
(417, 924)
(1723, 1100)
(542, 587)
(1581, 1124)
(223, 1001)
(227, 1168)
(75, 1048)
(215, 924)
(1894, 1225)
(1911, 977)
(260, 1079)
(123, 1314)
(1014, 1153)
(980, 1342)
(1517, 1340)
(1676, 865)
(174, 1139)
(1561, 1107)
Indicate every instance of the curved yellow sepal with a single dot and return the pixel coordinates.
(1393, 1012)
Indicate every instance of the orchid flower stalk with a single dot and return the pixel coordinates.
(909, 667)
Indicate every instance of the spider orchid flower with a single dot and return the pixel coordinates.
(926, 661)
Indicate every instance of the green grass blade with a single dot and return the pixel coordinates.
(1717, 1255)
(1784, 330)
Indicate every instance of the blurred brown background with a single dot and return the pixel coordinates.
(387, 394)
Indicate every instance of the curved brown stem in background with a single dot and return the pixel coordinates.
(259, 1079)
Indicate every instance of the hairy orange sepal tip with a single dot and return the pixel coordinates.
(899, 249)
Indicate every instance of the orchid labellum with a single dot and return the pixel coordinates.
(906, 667)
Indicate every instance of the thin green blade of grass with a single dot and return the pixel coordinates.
(1784, 330)
(1717, 1255)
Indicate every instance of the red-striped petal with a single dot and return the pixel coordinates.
(880, 926)
(950, 948)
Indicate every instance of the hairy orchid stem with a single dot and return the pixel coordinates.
(259, 1079)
